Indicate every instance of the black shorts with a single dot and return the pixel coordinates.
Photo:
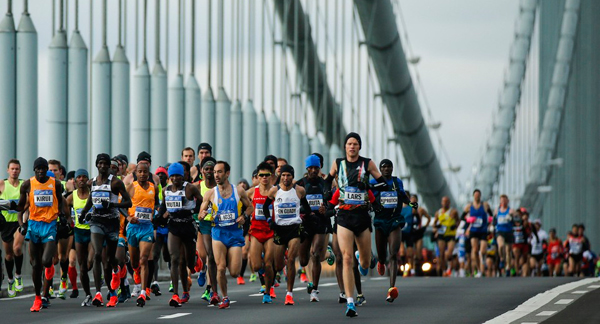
(317, 225)
(63, 231)
(408, 239)
(447, 238)
(8, 231)
(508, 237)
(418, 234)
(576, 257)
(285, 233)
(185, 231)
(538, 257)
(356, 221)
(478, 235)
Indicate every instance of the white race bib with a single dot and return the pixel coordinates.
(389, 199)
(43, 198)
(98, 197)
(226, 218)
(287, 210)
(174, 204)
(143, 213)
(315, 201)
(354, 196)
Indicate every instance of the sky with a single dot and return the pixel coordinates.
(463, 48)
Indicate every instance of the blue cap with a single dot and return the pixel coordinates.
(50, 174)
(81, 172)
(175, 169)
(313, 161)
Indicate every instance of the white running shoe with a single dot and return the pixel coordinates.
(137, 289)
(314, 296)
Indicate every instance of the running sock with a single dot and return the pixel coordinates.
(73, 277)
(350, 300)
(289, 293)
(123, 273)
(244, 264)
(64, 268)
(18, 264)
(150, 271)
(9, 268)
(49, 272)
(143, 292)
(208, 287)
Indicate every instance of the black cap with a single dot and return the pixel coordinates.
(208, 159)
(40, 162)
(385, 162)
(144, 156)
(287, 168)
(271, 158)
(123, 158)
(353, 135)
(70, 175)
(255, 173)
(205, 146)
(102, 157)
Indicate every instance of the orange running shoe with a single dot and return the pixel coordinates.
(199, 264)
(112, 302)
(272, 293)
(141, 300)
(175, 302)
(115, 282)
(392, 294)
(148, 292)
(98, 300)
(303, 277)
(240, 280)
(49, 272)
(380, 268)
(289, 300)
(37, 304)
(137, 279)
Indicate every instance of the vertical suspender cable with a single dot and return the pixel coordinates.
(249, 151)
(192, 92)
(261, 121)
(222, 140)
(140, 108)
(158, 99)
(296, 151)
(177, 100)
(8, 108)
(207, 129)
(284, 149)
(120, 95)
(274, 124)
(236, 107)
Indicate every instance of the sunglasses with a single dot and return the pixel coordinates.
(263, 175)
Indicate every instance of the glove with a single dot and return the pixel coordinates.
(13, 205)
(23, 228)
(272, 224)
(362, 186)
(107, 204)
(62, 220)
(414, 205)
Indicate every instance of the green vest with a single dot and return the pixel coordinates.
(78, 205)
(11, 193)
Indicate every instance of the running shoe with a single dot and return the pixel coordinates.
(272, 293)
(148, 293)
(155, 288)
(11, 289)
(392, 294)
(45, 302)
(37, 304)
(141, 301)
(124, 295)
(351, 310)
(87, 302)
(51, 292)
(362, 271)
(380, 268)
(174, 302)
(253, 277)
(225, 303)
(137, 289)
(262, 290)
(214, 299)
(310, 287)
(199, 265)
(137, 278)
(112, 301)
(342, 298)
(185, 297)
(360, 300)
(206, 295)
(201, 278)
(18, 284)
(267, 299)
(74, 293)
(289, 300)
(303, 277)
(98, 300)
(171, 286)
(62, 288)
(314, 296)
(374, 261)
(115, 282)
(240, 280)
(331, 256)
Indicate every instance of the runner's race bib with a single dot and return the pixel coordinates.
(315, 201)
(43, 198)
(13, 211)
(226, 218)
(502, 220)
(287, 210)
(575, 247)
(259, 214)
(174, 203)
(442, 230)
(478, 222)
(98, 197)
(389, 199)
(354, 196)
(143, 213)
(519, 238)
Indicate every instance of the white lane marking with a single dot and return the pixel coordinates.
(546, 313)
(231, 302)
(529, 323)
(594, 286)
(256, 295)
(380, 278)
(173, 315)
(299, 288)
(563, 301)
(19, 297)
(534, 303)
(328, 284)
(579, 292)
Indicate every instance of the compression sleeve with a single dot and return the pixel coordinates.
(266, 205)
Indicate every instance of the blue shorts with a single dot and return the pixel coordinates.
(143, 232)
(162, 232)
(388, 225)
(229, 237)
(82, 236)
(205, 227)
(122, 242)
(41, 232)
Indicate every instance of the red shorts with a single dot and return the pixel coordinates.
(553, 262)
(261, 235)
(523, 247)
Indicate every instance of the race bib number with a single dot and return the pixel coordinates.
(576, 247)
(502, 220)
(98, 197)
(478, 222)
(174, 203)
(389, 199)
(226, 218)
(315, 201)
(259, 214)
(354, 196)
(143, 213)
(519, 238)
(13, 211)
(442, 230)
(287, 210)
(43, 198)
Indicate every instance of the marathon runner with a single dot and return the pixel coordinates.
(316, 224)
(354, 222)
(246, 248)
(520, 247)
(161, 236)
(104, 223)
(272, 160)
(44, 195)
(262, 248)
(12, 240)
(445, 224)
(504, 233)
(227, 234)
(188, 155)
(388, 224)
(477, 231)
(574, 245)
(419, 232)
(287, 199)
(140, 231)
(85, 252)
(204, 151)
(537, 240)
(555, 253)
(204, 244)
(181, 200)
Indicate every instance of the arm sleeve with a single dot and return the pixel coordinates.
(266, 205)
(305, 206)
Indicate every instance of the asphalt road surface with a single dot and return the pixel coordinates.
(421, 300)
